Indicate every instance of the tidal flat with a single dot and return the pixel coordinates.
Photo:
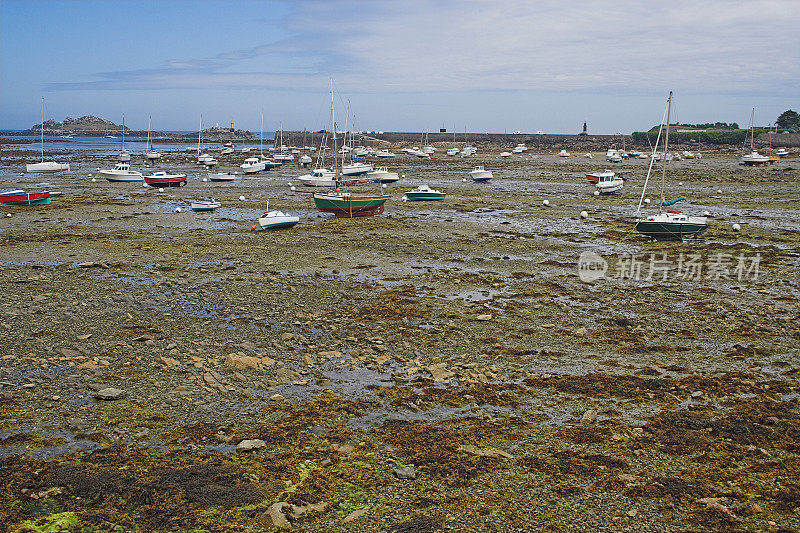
(440, 367)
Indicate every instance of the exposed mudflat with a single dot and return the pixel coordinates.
(453, 337)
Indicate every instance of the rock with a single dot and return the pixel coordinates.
(171, 346)
(406, 472)
(274, 517)
(285, 336)
(632, 513)
(346, 449)
(169, 361)
(77, 423)
(756, 509)
(267, 361)
(589, 417)
(242, 361)
(84, 337)
(109, 393)
(298, 510)
(483, 318)
(581, 332)
(247, 345)
(697, 394)
(484, 452)
(277, 398)
(714, 503)
(284, 375)
(439, 372)
(358, 513)
(87, 264)
(250, 444)
(330, 353)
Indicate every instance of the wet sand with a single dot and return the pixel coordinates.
(453, 337)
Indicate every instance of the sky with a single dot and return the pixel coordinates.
(404, 65)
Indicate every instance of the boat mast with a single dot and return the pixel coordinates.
(148, 134)
(199, 132)
(123, 132)
(654, 149)
(752, 128)
(666, 148)
(261, 135)
(42, 143)
(335, 147)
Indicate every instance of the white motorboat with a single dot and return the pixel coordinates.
(123, 155)
(468, 151)
(204, 157)
(609, 184)
(382, 175)
(276, 220)
(588, 155)
(453, 152)
(430, 150)
(356, 168)
(594, 177)
(252, 165)
(782, 152)
(613, 156)
(305, 159)
(227, 150)
(246, 149)
(149, 153)
(563, 153)
(421, 154)
(480, 174)
(120, 173)
(505, 155)
(45, 166)
(518, 149)
(383, 154)
(221, 176)
(210, 162)
(634, 154)
(319, 177)
(284, 158)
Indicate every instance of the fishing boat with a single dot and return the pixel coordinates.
(382, 175)
(424, 193)
(162, 179)
(345, 204)
(671, 225)
(305, 160)
(149, 152)
(205, 205)
(45, 166)
(221, 176)
(609, 184)
(505, 155)
(210, 162)
(594, 177)
(613, 156)
(20, 197)
(518, 149)
(273, 219)
(121, 173)
(319, 177)
(452, 152)
(480, 174)
(782, 152)
(754, 157)
(252, 165)
(563, 153)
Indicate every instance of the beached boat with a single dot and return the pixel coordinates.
(382, 175)
(121, 173)
(205, 205)
(319, 177)
(670, 225)
(384, 154)
(273, 219)
(563, 153)
(609, 184)
(221, 176)
(594, 177)
(613, 156)
(148, 151)
(754, 157)
(20, 197)
(478, 173)
(252, 165)
(453, 152)
(123, 154)
(356, 168)
(505, 155)
(305, 160)
(424, 193)
(162, 179)
(782, 152)
(45, 166)
(345, 204)
(210, 162)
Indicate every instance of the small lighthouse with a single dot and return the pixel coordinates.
(232, 128)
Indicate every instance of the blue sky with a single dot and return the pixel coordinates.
(408, 65)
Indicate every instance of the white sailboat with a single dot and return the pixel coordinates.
(283, 156)
(252, 165)
(45, 166)
(149, 152)
(754, 158)
(123, 155)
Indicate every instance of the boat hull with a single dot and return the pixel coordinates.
(349, 207)
(47, 166)
(166, 182)
(278, 224)
(670, 231)
(24, 198)
(424, 196)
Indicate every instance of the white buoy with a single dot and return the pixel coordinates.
(161, 189)
(383, 185)
(90, 175)
(584, 214)
(403, 176)
(680, 183)
(719, 191)
(177, 209)
(289, 184)
(597, 193)
(292, 188)
(8, 215)
(647, 200)
(205, 180)
(546, 202)
(736, 227)
(706, 214)
(241, 198)
(93, 180)
(464, 180)
(404, 198)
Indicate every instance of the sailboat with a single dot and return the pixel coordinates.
(282, 156)
(123, 155)
(671, 225)
(202, 157)
(252, 165)
(345, 204)
(149, 152)
(754, 158)
(320, 176)
(45, 166)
